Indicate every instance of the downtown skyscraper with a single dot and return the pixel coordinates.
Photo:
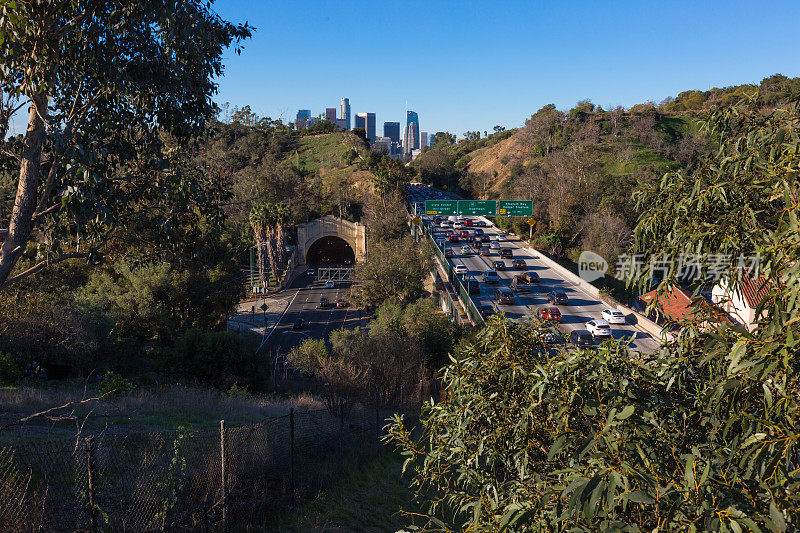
(344, 112)
(411, 133)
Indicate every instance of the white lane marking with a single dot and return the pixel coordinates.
(280, 318)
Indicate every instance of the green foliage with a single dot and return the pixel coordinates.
(9, 371)
(213, 358)
(113, 385)
(700, 436)
(394, 268)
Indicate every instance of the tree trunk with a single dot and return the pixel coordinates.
(21, 224)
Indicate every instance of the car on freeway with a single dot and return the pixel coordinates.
(323, 303)
(461, 268)
(501, 238)
(519, 284)
(477, 244)
(310, 271)
(520, 264)
(506, 253)
(613, 316)
(464, 234)
(452, 237)
(551, 337)
(486, 311)
(485, 238)
(448, 252)
(486, 251)
(499, 265)
(491, 276)
(478, 231)
(444, 224)
(480, 224)
(581, 339)
(299, 324)
(532, 277)
(550, 313)
(341, 302)
(504, 297)
(470, 238)
(328, 284)
(466, 250)
(598, 328)
(557, 297)
(495, 246)
(473, 287)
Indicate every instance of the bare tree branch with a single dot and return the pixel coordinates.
(46, 412)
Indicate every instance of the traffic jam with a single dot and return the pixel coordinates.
(501, 274)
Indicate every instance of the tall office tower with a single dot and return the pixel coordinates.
(411, 134)
(361, 121)
(423, 139)
(340, 124)
(392, 130)
(371, 130)
(302, 118)
(344, 112)
(330, 114)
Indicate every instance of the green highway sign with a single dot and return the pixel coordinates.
(477, 208)
(515, 208)
(441, 207)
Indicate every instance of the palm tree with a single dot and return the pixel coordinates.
(270, 237)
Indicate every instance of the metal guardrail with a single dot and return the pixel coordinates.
(472, 310)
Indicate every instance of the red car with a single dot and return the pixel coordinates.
(341, 302)
(550, 313)
(452, 238)
(467, 222)
(464, 234)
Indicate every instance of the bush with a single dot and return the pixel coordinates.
(115, 385)
(214, 358)
(9, 371)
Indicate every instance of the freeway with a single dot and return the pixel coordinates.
(581, 306)
(306, 292)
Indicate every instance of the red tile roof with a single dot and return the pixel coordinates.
(754, 290)
(675, 304)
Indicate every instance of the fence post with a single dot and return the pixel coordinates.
(377, 422)
(291, 453)
(341, 433)
(90, 467)
(223, 475)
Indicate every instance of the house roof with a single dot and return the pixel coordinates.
(677, 305)
(754, 290)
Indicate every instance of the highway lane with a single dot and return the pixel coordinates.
(318, 322)
(581, 308)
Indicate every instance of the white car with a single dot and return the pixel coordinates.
(598, 328)
(461, 268)
(501, 238)
(494, 246)
(444, 224)
(613, 316)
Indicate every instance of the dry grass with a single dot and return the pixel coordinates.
(156, 407)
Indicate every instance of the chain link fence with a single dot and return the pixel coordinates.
(205, 479)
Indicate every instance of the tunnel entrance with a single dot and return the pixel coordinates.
(329, 251)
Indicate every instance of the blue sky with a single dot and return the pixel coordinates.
(469, 65)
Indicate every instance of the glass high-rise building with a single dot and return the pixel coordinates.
(411, 134)
(361, 121)
(303, 116)
(344, 112)
(423, 139)
(372, 133)
(392, 130)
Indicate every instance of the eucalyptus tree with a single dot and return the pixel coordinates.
(102, 82)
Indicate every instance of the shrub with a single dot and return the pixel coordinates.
(212, 357)
(9, 371)
(115, 385)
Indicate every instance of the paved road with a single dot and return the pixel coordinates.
(305, 293)
(582, 307)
